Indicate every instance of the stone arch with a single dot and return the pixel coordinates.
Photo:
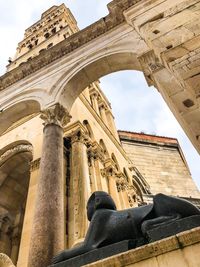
(17, 111)
(15, 162)
(74, 82)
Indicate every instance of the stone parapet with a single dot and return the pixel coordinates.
(181, 250)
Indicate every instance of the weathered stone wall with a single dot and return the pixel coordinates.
(161, 162)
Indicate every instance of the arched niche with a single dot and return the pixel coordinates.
(16, 112)
(14, 182)
(91, 71)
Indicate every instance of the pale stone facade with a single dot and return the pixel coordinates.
(51, 95)
(161, 163)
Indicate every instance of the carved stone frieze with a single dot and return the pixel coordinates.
(35, 164)
(56, 114)
(5, 261)
(122, 183)
(14, 150)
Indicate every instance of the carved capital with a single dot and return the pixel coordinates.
(150, 64)
(122, 183)
(80, 136)
(109, 171)
(151, 61)
(35, 165)
(56, 114)
(95, 152)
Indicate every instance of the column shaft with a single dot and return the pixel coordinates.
(79, 191)
(113, 191)
(47, 236)
(48, 226)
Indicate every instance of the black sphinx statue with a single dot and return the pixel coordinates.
(109, 226)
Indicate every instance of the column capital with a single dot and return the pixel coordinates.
(56, 114)
(95, 152)
(80, 136)
(122, 183)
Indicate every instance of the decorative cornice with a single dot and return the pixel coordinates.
(56, 114)
(5, 261)
(73, 42)
(35, 165)
(14, 150)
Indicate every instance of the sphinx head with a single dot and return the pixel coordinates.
(99, 200)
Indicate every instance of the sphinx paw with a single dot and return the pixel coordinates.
(59, 258)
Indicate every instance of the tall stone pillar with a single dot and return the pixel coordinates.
(122, 188)
(79, 188)
(47, 237)
(111, 174)
(96, 159)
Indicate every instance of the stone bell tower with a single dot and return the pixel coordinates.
(56, 24)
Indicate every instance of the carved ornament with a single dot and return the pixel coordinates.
(56, 114)
(80, 136)
(35, 164)
(150, 62)
(122, 183)
(14, 150)
(95, 152)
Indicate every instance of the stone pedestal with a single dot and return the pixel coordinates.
(181, 250)
(47, 237)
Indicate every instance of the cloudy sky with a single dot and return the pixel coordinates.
(143, 108)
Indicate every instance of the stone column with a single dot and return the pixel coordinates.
(122, 187)
(96, 159)
(110, 173)
(47, 237)
(79, 188)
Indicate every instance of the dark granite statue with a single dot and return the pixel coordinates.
(109, 226)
